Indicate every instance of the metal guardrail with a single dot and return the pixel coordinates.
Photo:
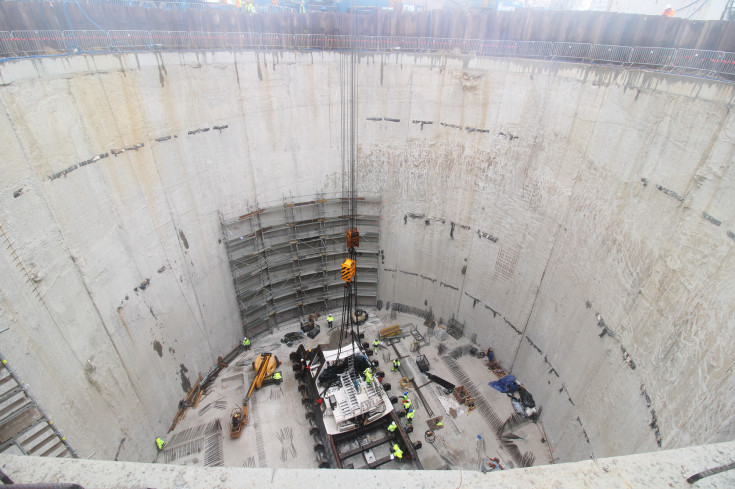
(20, 44)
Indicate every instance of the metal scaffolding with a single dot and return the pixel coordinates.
(285, 258)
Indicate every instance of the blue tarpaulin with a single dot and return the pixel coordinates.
(506, 384)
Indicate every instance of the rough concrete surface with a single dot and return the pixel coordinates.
(276, 410)
(664, 470)
(577, 219)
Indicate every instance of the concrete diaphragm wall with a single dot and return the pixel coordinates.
(577, 219)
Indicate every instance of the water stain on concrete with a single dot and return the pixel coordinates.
(183, 239)
(158, 347)
(185, 382)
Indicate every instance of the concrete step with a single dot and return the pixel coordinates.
(39, 430)
(55, 449)
(43, 444)
(13, 391)
(6, 378)
(15, 405)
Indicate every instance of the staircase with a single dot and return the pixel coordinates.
(25, 429)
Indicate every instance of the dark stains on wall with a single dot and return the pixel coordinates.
(183, 239)
(185, 382)
(143, 285)
(158, 347)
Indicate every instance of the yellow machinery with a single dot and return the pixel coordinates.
(265, 366)
(348, 270)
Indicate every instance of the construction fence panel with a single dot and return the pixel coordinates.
(534, 49)
(275, 41)
(572, 50)
(171, 39)
(130, 40)
(88, 41)
(34, 43)
(439, 44)
(207, 40)
(652, 56)
(696, 59)
(319, 41)
(7, 48)
(340, 42)
(611, 53)
(236, 40)
(499, 48)
(726, 64)
(403, 43)
(474, 46)
(365, 43)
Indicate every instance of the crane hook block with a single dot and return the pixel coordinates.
(348, 270)
(353, 238)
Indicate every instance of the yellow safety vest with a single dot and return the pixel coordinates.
(397, 451)
(410, 415)
(160, 443)
(277, 376)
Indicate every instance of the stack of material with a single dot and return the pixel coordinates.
(433, 423)
(394, 330)
(496, 369)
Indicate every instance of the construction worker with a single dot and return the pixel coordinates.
(235, 420)
(160, 443)
(405, 396)
(392, 427)
(277, 376)
(246, 343)
(407, 405)
(396, 364)
(409, 417)
(302, 7)
(439, 424)
(368, 376)
(397, 452)
(251, 7)
(330, 320)
(668, 12)
(376, 344)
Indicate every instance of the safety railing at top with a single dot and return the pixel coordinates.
(20, 44)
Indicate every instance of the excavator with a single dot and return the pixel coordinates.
(265, 366)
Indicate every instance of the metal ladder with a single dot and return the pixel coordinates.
(322, 219)
(349, 388)
(288, 210)
(261, 251)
